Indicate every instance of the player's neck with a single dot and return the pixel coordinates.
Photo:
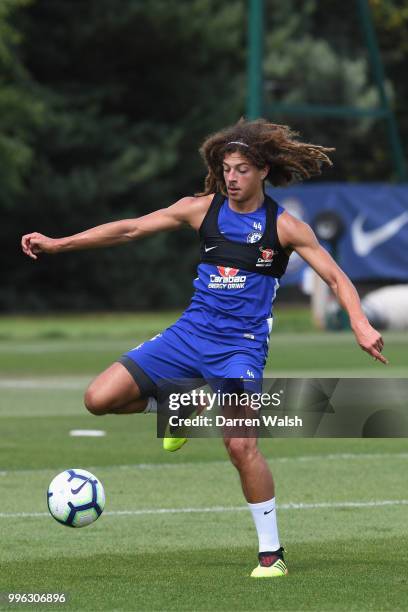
(248, 205)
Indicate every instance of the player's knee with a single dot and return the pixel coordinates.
(241, 450)
(95, 402)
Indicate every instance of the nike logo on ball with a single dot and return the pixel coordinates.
(206, 249)
(365, 241)
(75, 491)
(269, 511)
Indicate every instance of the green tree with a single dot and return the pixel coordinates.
(104, 103)
(129, 95)
(20, 111)
(315, 54)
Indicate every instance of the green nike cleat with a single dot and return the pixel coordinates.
(173, 444)
(271, 565)
(174, 438)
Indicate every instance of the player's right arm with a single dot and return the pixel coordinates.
(187, 211)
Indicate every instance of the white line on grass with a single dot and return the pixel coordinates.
(219, 509)
(271, 460)
(391, 372)
(76, 383)
(93, 344)
(189, 464)
(66, 346)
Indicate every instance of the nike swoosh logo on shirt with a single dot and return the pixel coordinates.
(365, 241)
(206, 249)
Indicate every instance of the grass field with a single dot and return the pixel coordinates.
(176, 534)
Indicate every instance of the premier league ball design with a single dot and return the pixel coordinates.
(76, 498)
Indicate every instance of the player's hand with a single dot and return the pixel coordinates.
(35, 243)
(370, 341)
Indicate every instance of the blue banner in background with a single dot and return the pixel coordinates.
(375, 243)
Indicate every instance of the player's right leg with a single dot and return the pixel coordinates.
(129, 385)
(114, 391)
(132, 384)
(159, 363)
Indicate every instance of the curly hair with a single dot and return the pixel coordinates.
(264, 144)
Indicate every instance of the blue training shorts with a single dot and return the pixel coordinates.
(178, 354)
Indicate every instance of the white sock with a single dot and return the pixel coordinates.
(151, 405)
(264, 515)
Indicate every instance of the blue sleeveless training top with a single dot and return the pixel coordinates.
(229, 304)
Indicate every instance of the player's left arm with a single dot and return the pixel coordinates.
(298, 236)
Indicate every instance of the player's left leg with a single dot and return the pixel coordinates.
(259, 491)
(244, 368)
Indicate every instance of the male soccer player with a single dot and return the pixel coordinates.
(246, 241)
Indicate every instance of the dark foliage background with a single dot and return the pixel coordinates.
(103, 105)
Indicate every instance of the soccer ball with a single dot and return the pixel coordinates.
(75, 498)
